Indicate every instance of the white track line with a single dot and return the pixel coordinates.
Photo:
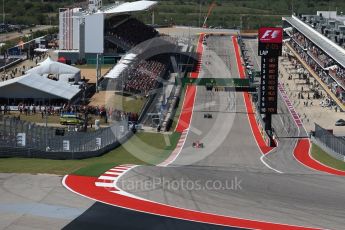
(267, 165)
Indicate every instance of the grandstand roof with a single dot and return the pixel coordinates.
(116, 71)
(329, 47)
(128, 7)
(34, 81)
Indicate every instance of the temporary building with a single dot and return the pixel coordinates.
(60, 71)
(34, 86)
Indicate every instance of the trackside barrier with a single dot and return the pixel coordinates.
(336, 144)
(199, 51)
(260, 123)
(9, 65)
(24, 139)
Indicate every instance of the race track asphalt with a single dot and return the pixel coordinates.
(103, 216)
(297, 196)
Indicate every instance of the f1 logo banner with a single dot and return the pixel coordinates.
(271, 35)
(270, 41)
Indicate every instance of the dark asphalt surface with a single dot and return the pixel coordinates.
(298, 196)
(102, 216)
(244, 187)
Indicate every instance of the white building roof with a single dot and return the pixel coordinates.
(130, 7)
(49, 66)
(57, 88)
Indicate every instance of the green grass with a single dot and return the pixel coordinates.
(142, 148)
(326, 159)
(126, 103)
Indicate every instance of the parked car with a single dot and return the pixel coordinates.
(340, 122)
(71, 119)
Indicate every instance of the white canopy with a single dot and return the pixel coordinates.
(33, 85)
(49, 66)
(63, 71)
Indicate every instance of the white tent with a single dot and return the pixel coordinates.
(62, 71)
(36, 87)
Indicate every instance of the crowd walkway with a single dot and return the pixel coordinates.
(309, 97)
(324, 86)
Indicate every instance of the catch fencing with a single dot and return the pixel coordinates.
(24, 139)
(336, 144)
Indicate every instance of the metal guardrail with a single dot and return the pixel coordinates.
(25, 139)
(9, 65)
(336, 144)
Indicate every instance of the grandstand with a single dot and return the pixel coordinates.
(144, 77)
(141, 57)
(107, 31)
(128, 32)
(319, 42)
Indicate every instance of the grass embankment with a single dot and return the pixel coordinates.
(124, 103)
(321, 156)
(142, 148)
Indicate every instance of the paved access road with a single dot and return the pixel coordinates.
(297, 196)
(37, 202)
(12, 35)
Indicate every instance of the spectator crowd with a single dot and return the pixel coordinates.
(331, 73)
(57, 110)
(20, 69)
(143, 77)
